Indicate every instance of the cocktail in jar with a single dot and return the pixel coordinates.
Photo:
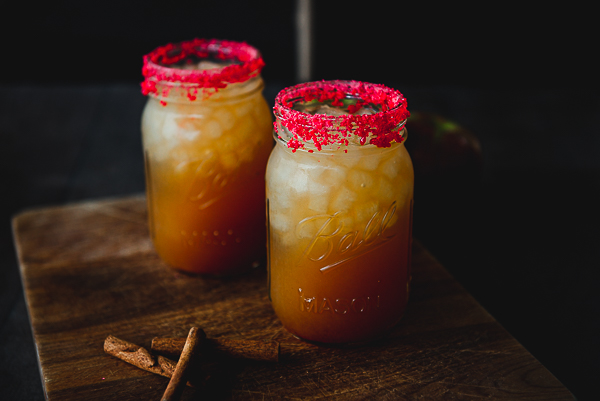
(206, 131)
(339, 206)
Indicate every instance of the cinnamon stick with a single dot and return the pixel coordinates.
(190, 350)
(247, 349)
(139, 357)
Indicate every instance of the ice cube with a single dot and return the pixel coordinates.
(190, 126)
(332, 176)
(188, 135)
(154, 142)
(364, 212)
(178, 155)
(278, 177)
(316, 187)
(241, 109)
(384, 190)
(299, 180)
(170, 130)
(224, 117)
(390, 167)
(279, 171)
(273, 166)
(347, 160)
(212, 129)
(343, 200)
(369, 162)
(279, 219)
(360, 180)
(330, 111)
(280, 198)
(365, 110)
(204, 65)
(318, 204)
(285, 238)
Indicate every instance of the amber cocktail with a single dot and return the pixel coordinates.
(339, 204)
(207, 137)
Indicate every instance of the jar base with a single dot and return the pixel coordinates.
(222, 274)
(349, 344)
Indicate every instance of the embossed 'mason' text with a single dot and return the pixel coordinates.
(340, 306)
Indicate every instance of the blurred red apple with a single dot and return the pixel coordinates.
(442, 151)
(447, 160)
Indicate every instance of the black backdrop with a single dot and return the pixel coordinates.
(515, 45)
(522, 77)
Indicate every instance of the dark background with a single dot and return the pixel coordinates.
(522, 77)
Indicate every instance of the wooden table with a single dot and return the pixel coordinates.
(89, 270)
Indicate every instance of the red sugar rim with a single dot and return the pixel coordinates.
(381, 128)
(158, 65)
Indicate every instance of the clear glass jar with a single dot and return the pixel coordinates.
(339, 206)
(206, 131)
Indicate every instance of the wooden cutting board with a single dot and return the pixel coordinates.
(89, 270)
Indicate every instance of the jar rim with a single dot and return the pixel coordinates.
(161, 65)
(380, 129)
(340, 150)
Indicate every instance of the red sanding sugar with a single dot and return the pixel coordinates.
(168, 66)
(380, 129)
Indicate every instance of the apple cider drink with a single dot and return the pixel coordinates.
(206, 132)
(339, 207)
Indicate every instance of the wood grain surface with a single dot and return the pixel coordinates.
(89, 271)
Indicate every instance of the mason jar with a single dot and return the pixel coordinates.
(339, 207)
(206, 131)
